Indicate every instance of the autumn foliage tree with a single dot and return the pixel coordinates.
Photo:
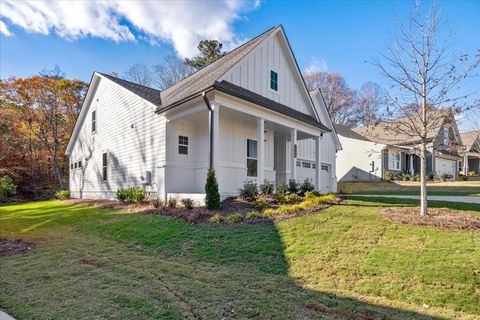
(37, 116)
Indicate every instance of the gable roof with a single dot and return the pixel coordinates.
(147, 93)
(395, 132)
(347, 132)
(206, 77)
(469, 139)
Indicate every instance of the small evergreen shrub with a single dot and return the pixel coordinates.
(217, 218)
(306, 186)
(62, 194)
(292, 198)
(212, 196)
(172, 203)
(156, 202)
(388, 175)
(261, 203)
(249, 191)
(7, 187)
(280, 198)
(253, 215)
(266, 188)
(187, 203)
(292, 186)
(131, 195)
(234, 218)
(282, 188)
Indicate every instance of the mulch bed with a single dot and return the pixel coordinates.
(11, 247)
(436, 217)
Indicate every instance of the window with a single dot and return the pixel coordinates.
(325, 167)
(182, 145)
(104, 167)
(394, 160)
(71, 166)
(251, 158)
(94, 120)
(446, 135)
(80, 163)
(314, 166)
(306, 165)
(299, 163)
(76, 164)
(273, 80)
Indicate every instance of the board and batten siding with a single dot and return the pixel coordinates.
(253, 73)
(132, 135)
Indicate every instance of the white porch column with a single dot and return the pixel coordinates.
(293, 154)
(215, 136)
(260, 150)
(465, 165)
(318, 183)
(412, 170)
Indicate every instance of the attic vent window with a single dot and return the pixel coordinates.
(273, 80)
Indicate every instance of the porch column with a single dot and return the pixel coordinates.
(260, 150)
(318, 184)
(465, 165)
(412, 171)
(214, 126)
(293, 154)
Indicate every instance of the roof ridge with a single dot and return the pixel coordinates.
(134, 83)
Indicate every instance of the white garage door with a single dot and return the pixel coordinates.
(445, 167)
(305, 170)
(326, 177)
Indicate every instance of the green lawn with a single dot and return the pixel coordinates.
(344, 262)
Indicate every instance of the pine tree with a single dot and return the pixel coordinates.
(212, 198)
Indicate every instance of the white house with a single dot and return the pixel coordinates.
(245, 115)
(368, 152)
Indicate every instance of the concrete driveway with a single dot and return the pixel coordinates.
(464, 199)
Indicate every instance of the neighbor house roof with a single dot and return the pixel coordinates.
(403, 130)
(206, 77)
(469, 138)
(347, 132)
(147, 93)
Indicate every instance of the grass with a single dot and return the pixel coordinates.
(450, 188)
(340, 263)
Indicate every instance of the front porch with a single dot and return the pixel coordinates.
(247, 142)
(469, 163)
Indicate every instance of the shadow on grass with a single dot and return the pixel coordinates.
(242, 267)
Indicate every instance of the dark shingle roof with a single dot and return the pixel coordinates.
(242, 93)
(149, 94)
(347, 132)
(206, 77)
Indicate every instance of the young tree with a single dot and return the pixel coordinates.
(424, 75)
(210, 51)
(212, 196)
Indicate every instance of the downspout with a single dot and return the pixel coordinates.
(210, 112)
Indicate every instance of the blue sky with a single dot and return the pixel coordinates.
(336, 36)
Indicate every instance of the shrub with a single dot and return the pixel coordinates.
(282, 188)
(464, 178)
(172, 203)
(234, 218)
(266, 188)
(131, 195)
(212, 196)
(7, 187)
(472, 173)
(416, 178)
(217, 218)
(306, 186)
(312, 194)
(280, 198)
(261, 203)
(292, 198)
(254, 215)
(405, 176)
(156, 202)
(249, 191)
(62, 194)
(292, 186)
(187, 203)
(388, 175)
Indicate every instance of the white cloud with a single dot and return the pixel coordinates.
(181, 23)
(317, 64)
(4, 29)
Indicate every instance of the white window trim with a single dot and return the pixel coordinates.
(391, 163)
(94, 110)
(185, 145)
(251, 158)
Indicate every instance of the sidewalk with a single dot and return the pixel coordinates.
(464, 199)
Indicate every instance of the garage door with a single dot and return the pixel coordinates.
(444, 166)
(305, 170)
(326, 177)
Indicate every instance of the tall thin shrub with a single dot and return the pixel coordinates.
(212, 197)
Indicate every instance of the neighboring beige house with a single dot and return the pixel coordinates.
(471, 154)
(368, 152)
(246, 115)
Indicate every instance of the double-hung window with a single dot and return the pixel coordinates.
(251, 158)
(446, 135)
(104, 166)
(183, 145)
(273, 80)
(394, 160)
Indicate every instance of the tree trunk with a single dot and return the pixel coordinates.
(423, 179)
